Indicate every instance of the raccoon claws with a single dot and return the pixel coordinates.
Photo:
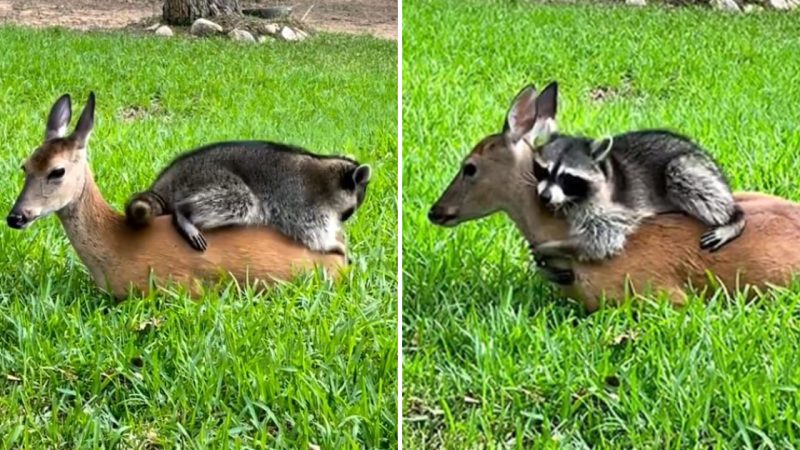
(198, 242)
(189, 232)
(712, 241)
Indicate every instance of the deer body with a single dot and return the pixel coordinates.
(120, 257)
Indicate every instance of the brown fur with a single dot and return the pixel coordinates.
(662, 255)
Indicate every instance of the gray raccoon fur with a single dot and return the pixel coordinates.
(303, 195)
(605, 188)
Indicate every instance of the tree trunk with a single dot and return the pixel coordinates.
(184, 12)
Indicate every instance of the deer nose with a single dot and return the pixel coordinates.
(16, 220)
(439, 216)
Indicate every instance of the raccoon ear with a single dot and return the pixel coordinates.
(522, 113)
(600, 148)
(362, 174)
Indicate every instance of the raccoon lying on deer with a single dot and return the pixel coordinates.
(303, 195)
(662, 254)
(605, 188)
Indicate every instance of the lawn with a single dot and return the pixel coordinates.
(493, 358)
(310, 363)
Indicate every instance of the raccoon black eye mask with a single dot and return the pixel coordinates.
(304, 195)
(630, 177)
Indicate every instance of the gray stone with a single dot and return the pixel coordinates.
(164, 31)
(784, 5)
(272, 29)
(726, 5)
(636, 2)
(241, 35)
(203, 27)
(288, 34)
(301, 35)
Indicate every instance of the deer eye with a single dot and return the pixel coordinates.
(540, 172)
(470, 170)
(56, 174)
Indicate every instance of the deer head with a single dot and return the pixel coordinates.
(487, 179)
(55, 174)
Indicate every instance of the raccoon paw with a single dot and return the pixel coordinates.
(563, 277)
(715, 239)
(198, 242)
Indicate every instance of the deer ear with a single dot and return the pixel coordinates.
(60, 115)
(600, 148)
(86, 123)
(546, 105)
(522, 114)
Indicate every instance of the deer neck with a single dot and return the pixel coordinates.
(89, 222)
(535, 223)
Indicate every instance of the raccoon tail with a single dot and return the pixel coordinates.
(143, 207)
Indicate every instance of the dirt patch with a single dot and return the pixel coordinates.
(375, 17)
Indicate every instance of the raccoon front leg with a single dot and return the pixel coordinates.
(697, 186)
(189, 232)
(567, 248)
(212, 207)
(594, 239)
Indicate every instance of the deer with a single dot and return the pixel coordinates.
(123, 259)
(661, 256)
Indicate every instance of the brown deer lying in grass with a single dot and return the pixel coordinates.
(58, 180)
(662, 255)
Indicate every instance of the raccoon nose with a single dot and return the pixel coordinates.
(546, 197)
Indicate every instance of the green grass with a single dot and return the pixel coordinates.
(493, 358)
(310, 363)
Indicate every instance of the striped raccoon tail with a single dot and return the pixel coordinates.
(143, 207)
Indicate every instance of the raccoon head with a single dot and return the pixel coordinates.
(352, 189)
(570, 170)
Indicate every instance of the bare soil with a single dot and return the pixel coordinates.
(375, 17)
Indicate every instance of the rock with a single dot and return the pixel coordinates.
(153, 27)
(203, 27)
(753, 8)
(726, 5)
(302, 35)
(241, 35)
(636, 2)
(784, 5)
(288, 34)
(164, 31)
(272, 29)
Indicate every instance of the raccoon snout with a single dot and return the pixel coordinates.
(552, 197)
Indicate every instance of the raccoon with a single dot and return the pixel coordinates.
(303, 195)
(604, 188)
